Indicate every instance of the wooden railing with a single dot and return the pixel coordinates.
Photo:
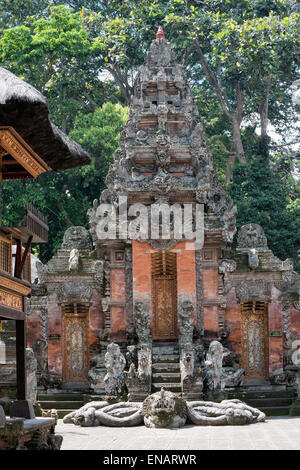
(6, 253)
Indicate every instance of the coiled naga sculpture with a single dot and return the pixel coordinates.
(165, 410)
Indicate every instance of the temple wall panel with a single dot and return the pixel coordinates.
(118, 322)
(141, 272)
(275, 332)
(210, 284)
(186, 273)
(295, 322)
(55, 352)
(33, 327)
(233, 321)
(96, 321)
(211, 321)
(118, 284)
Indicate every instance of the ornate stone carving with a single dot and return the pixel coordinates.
(42, 272)
(74, 291)
(213, 365)
(145, 364)
(40, 352)
(97, 373)
(187, 361)
(131, 356)
(252, 236)
(186, 321)
(142, 322)
(248, 290)
(102, 413)
(232, 377)
(227, 266)
(31, 368)
(74, 260)
(287, 377)
(115, 364)
(207, 413)
(164, 410)
(96, 379)
(77, 237)
(191, 374)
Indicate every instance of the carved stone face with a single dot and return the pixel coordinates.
(76, 237)
(138, 307)
(187, 309)
(164, 409)
(215, 348)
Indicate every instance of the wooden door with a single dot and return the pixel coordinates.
(254, 322)
(75, 343)
(164, 296)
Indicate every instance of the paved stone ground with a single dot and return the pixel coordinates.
(280, 433)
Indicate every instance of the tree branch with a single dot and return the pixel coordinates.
(292, 156)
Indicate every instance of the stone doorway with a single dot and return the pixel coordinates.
(75, 344)
(164, 295)
(254, 324)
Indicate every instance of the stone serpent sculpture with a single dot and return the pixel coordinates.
(155, 409)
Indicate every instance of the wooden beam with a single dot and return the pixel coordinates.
(8, 313)
(19, 270)
(15, 146)
(18, 257)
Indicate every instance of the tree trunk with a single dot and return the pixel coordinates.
(263, 112)
(230, 165)
(237, 141)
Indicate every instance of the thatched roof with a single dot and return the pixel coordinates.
(25, 109)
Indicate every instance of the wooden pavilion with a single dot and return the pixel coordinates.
(29, 145)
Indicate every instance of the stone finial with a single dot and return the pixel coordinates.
(252, 236)
(160, 33)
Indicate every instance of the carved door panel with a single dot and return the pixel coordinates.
(164, 296)
(254, 339)
(75, 344)
(164, 309)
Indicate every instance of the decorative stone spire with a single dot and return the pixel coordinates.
(160, 33)
(162, 151)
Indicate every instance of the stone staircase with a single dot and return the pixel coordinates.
(165, 367)
(63, 402)
(271, 402)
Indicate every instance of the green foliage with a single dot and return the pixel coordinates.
(67, 50)
(262, 198)
(64, 197)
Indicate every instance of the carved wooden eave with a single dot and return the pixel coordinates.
(18, 160)
(16, 285)
(12, 292)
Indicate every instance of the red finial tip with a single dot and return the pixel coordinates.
(160, 33)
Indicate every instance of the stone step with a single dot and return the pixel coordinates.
(66, 405)
(167, 377)
(276, 410)
(63, 413)
(245, 394)
(60, 396)
(166, 367)
(165, 350)
(265, 402)
(165, 358)
(171, 387)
